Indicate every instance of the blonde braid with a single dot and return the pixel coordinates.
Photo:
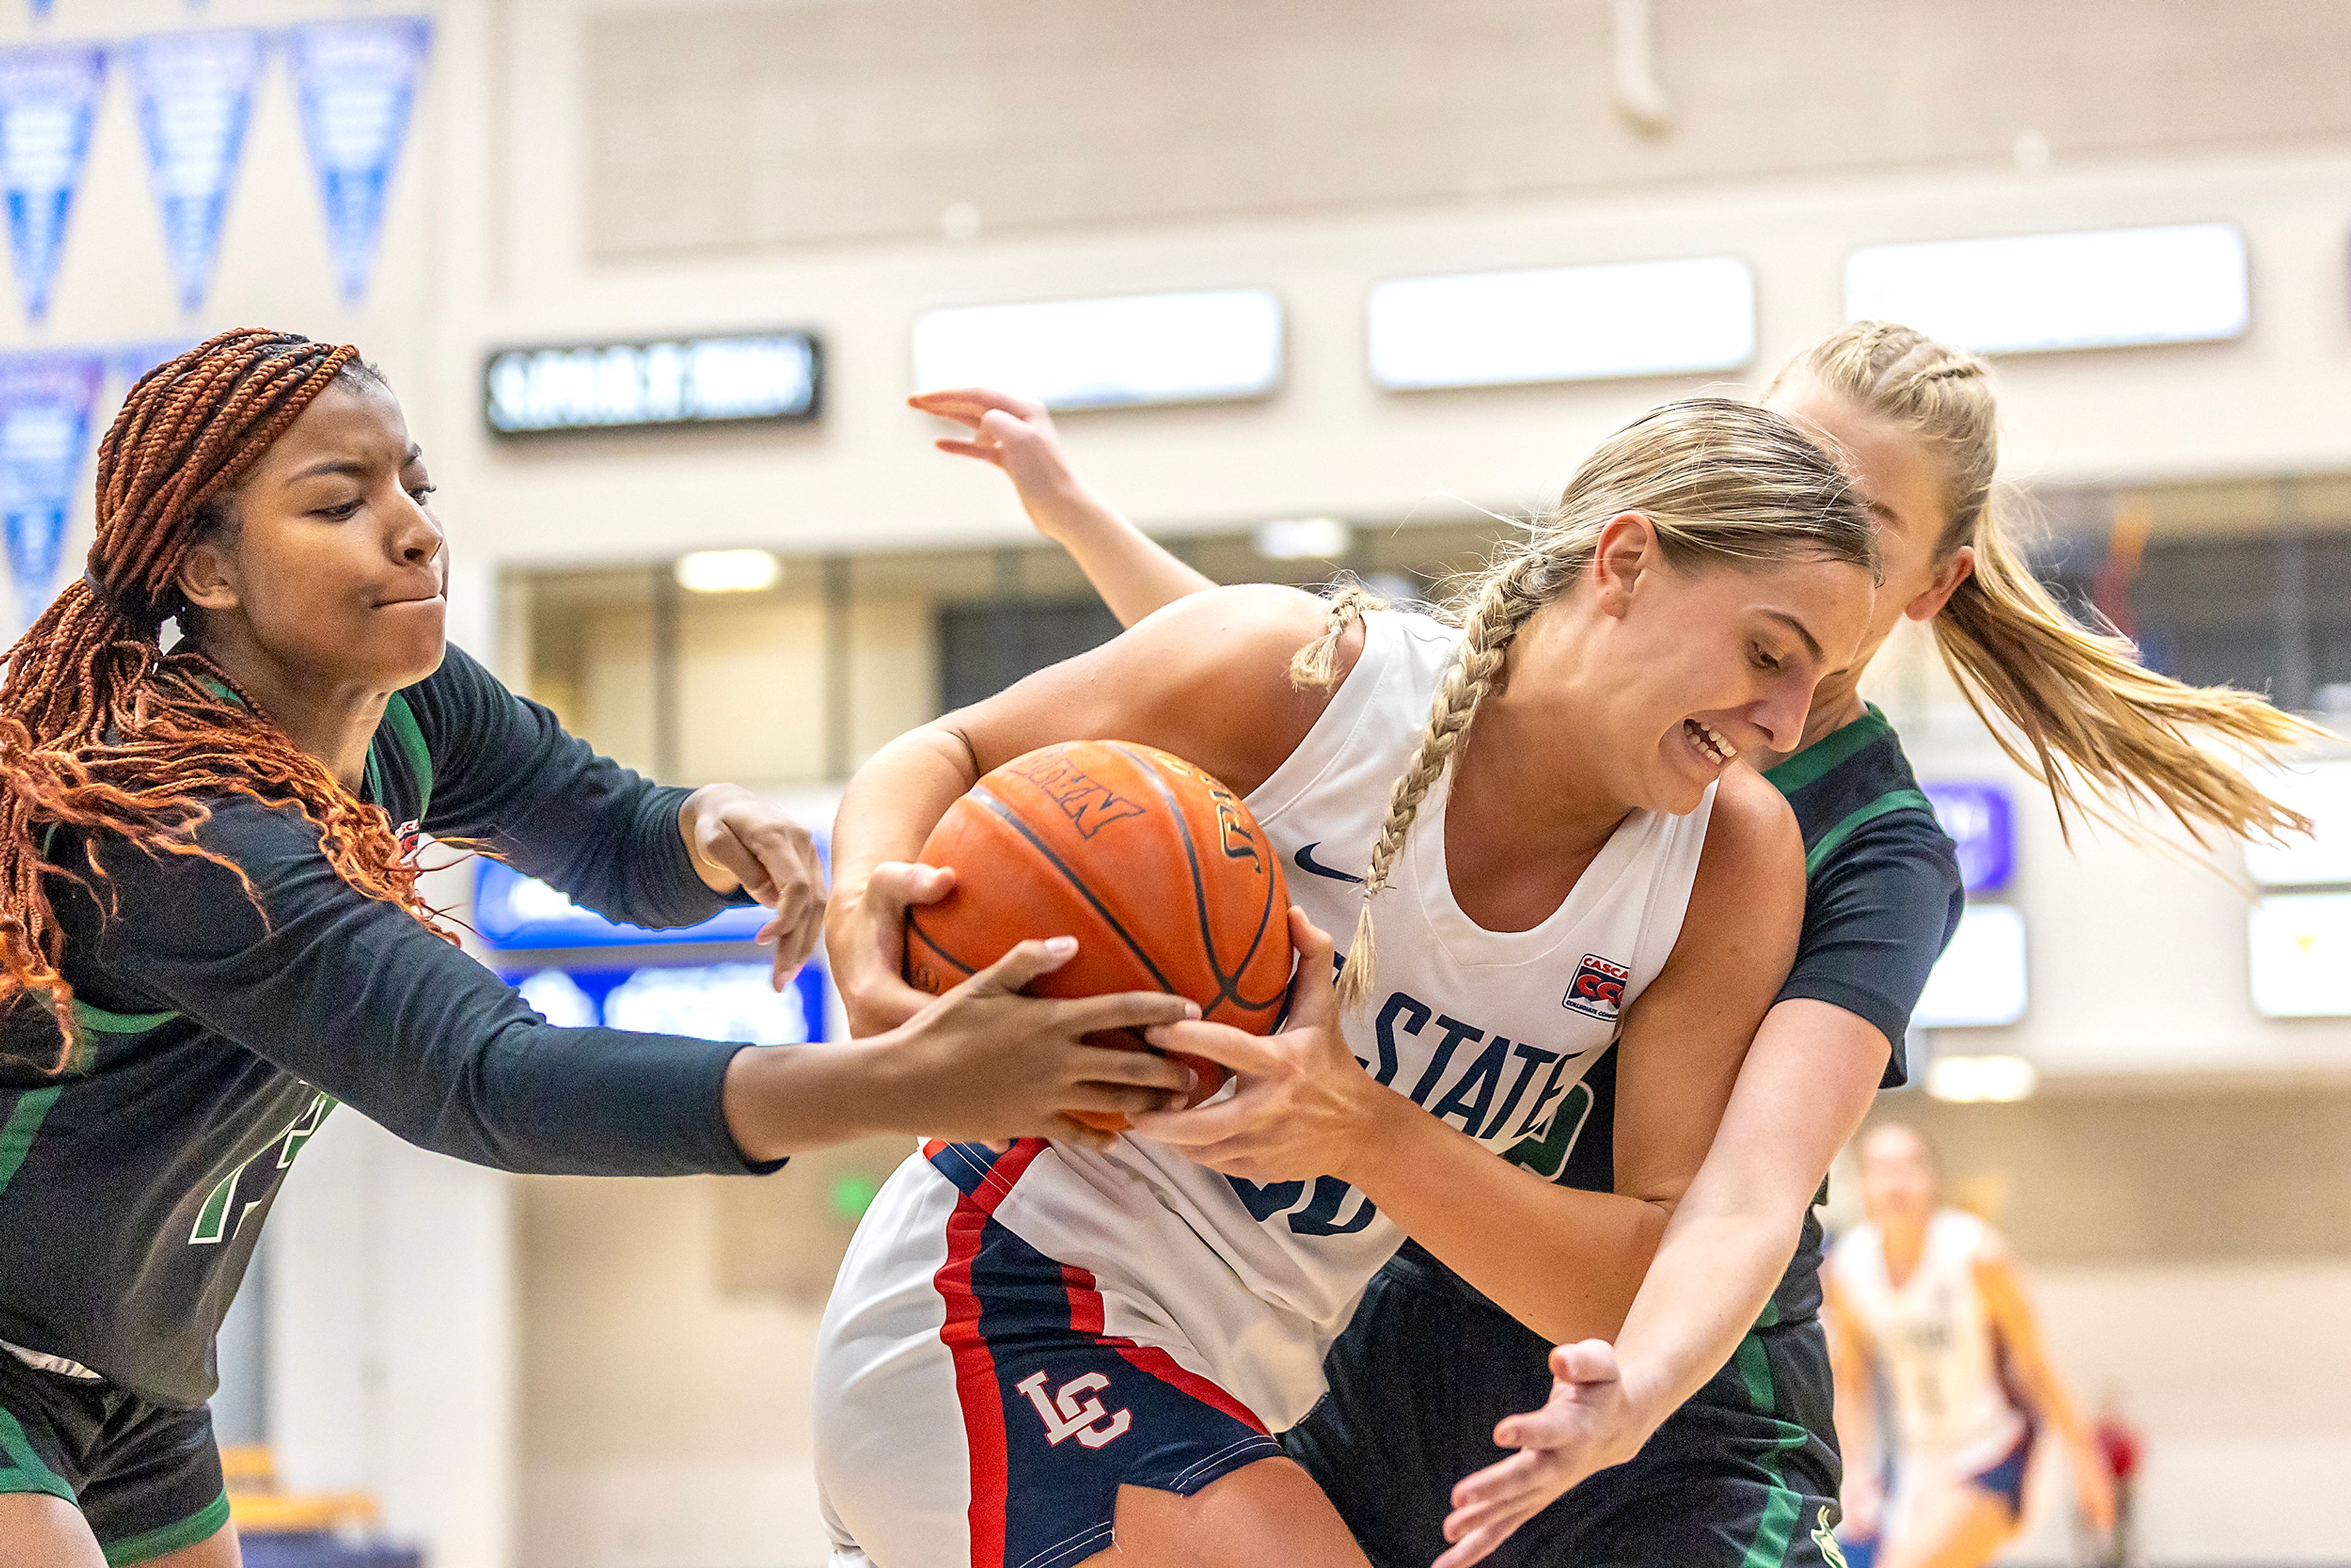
(1315, 666)
(1507, 600)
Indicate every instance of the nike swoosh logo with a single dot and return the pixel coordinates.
(1306, 862)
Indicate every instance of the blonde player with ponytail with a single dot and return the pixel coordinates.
(1029, 1348)
(1704, 1428)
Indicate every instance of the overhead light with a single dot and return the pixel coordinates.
(1971, 1080)
(2034, 293)
(1562, 324)
(1203, 346)
(1305, 539)
(728, 571)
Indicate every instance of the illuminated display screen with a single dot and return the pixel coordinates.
(2036, 293)
(774, 377)
(1210, 346)
(513, 911)
(1982, 825)
(1979, 982)
(2300, 948)
(1562, 324)
(704, 1001)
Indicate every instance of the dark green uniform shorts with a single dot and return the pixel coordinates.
(147, 1477)
(1743, 1476)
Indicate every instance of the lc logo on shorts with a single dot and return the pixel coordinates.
(1067, 1415)
(1598, 988)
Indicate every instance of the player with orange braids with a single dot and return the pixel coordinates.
(211, 931)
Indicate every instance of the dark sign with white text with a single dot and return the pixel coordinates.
(746, 378)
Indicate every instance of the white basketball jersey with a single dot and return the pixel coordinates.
(1933, 1340)
(1487, 1030)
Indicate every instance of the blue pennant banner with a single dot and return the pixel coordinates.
(356, 81)
(45, 407)
(48, 96)
(196, 95)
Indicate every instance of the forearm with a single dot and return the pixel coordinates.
(1134, 573)
(1713, 1273)
(782, 1099)
(894, 801)
(1802, 1089)
(1565, 1262)
(2052, 1405)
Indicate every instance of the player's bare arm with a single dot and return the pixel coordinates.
(2019, 1328)
(1131, 571)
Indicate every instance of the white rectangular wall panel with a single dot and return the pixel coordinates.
(2300, 948)
(1562, 324)
(2320, 791)
(2033, 293)
(1979, 982)
(1207, 347)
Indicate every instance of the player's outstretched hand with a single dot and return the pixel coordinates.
(865, 931)
(984, 1061)
(1303, 1106)
(1588, 1423)
(1018, 436)
(738, 840)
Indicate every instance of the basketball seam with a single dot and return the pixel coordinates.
(914, 928)
(1227, 986)
(1012, 817)
(1225, 983)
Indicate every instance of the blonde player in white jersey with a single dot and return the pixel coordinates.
(1925, 1304)
(1032, 1349)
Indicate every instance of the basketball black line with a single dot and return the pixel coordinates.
(1192, 858)
(1227, 986)
(1009, 816)
(913, 928)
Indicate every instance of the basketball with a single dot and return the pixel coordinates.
(1160, 873)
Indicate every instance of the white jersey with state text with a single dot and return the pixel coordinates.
(1934, 1343)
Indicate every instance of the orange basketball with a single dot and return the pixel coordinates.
(1158, 870)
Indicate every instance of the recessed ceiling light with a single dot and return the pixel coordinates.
(728, 571)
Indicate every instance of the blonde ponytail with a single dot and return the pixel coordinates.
(1720, 482)
(2090, 723)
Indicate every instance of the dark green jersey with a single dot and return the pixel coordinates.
(218, 1029)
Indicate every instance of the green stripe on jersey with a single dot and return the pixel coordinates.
(409, 736)
(101, 1021)
(1885, 805)
(1828, 751)
(24, 1125)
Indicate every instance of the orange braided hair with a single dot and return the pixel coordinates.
(100, 728)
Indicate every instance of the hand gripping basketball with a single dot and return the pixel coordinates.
(985, 1061)
(1166, 880)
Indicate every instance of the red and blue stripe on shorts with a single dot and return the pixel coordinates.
(1058, 1414)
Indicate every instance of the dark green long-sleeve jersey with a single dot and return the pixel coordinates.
(219, 1030)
